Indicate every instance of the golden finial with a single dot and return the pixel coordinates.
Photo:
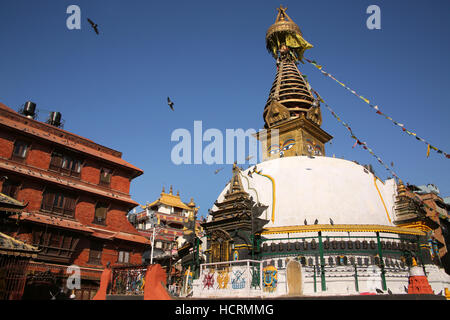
(171, 190)
(401, 189)
(191, 203)
(285, 35)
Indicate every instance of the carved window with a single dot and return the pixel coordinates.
(101, 210)
(66, 164)
(58, 203)
(95, 253)
(20, 150)
(55, 245)
(220, 250)
(105, 176)
(123, 257)
(11, 188)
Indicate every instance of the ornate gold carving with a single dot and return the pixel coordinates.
(276, 113)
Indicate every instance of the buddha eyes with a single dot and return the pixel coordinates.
(274, 151)
(289, 146)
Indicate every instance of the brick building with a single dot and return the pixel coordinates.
(77, 197)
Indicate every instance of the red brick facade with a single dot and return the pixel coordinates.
(77, 217)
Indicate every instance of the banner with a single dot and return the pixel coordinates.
(353, 136)
(377, 111)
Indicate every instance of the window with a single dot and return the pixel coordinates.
(20, 150)
(124, 257)
(54, 244)
(95, 253)
(65, 164)
(10, 188)
(105, 176)
(100, 213)
(59, 203)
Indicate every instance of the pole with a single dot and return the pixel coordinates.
(315, 280)
(322, 263)
(380, 254)
(153, 245)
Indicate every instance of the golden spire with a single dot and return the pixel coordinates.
(171, 190)
(284, 36)
(191, 203)
(401, 188)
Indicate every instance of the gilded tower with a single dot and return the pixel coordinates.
(292, 116)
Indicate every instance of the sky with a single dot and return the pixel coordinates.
(210, 58)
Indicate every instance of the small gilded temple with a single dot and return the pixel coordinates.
(303, 224)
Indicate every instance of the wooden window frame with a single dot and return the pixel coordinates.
(19, 157)
(96, 219)
(55, 243)
(60, 203)
(59, 161)
(105, 182)
(95, 253)
(125, 253)
(7, 187)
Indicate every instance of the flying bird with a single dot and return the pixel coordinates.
(331, 222)
(316, 221)
(248, 158)
(218, 170)
(170, 103)
(94, 25)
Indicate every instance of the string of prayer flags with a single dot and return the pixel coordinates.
(377, 111)
(353, 136)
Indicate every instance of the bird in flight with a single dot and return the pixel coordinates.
(94, 25)
(170, 103)
(218, 170)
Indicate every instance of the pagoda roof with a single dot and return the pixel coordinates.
(170, 200)
(11, 246)
(10, 204)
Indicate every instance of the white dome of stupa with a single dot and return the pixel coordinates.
(301, 187)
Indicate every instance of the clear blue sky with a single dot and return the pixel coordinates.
(210, 58)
